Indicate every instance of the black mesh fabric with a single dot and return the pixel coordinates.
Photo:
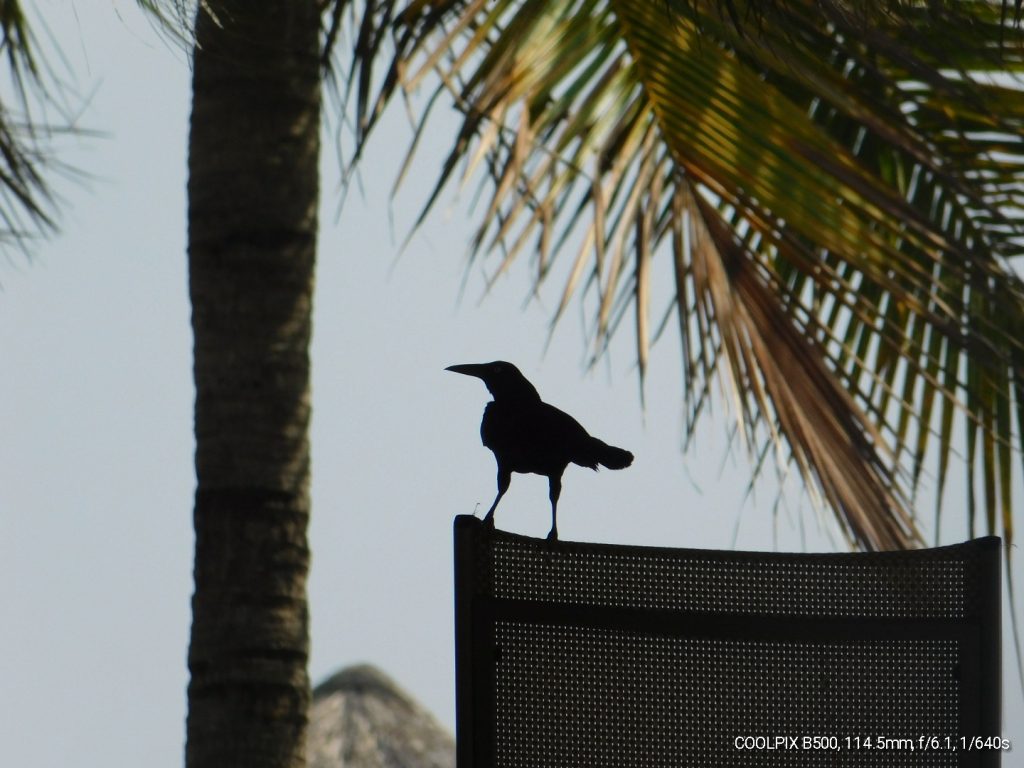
(587, 656)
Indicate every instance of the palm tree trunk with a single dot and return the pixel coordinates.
(253, 191)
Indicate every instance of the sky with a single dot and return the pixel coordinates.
(96, 472)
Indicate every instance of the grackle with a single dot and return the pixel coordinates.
(528, 435)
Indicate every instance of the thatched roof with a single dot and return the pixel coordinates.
(361, 719)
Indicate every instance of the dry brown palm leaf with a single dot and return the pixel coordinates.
(856, 177)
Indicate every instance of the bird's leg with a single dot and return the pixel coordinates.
(504, 479)
(554, 491)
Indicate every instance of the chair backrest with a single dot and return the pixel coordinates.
(599, 656)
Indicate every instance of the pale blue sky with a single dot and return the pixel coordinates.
(96, 475)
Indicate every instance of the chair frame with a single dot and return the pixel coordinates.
(478, 609)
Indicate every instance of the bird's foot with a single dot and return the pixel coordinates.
(553, 534)
(489, 520)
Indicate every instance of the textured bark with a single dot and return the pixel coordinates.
(253, 189)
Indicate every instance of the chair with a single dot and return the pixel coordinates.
(599, 656)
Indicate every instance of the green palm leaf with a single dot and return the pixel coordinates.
(27, 206)
(838, 187)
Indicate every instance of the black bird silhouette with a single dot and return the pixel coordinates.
(528, 435)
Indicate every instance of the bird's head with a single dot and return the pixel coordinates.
(503, 380)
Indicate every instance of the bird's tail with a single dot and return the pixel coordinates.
(610, 456)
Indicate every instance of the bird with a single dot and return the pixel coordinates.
(529, 436)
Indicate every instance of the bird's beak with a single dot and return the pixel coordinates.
(468, 369)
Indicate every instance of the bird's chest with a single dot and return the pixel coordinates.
(504, 426)
(512, 431)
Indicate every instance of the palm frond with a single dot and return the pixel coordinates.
(174, 18)
(28, 206)
(838, 186)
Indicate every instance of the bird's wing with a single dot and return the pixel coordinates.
(566, 436)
